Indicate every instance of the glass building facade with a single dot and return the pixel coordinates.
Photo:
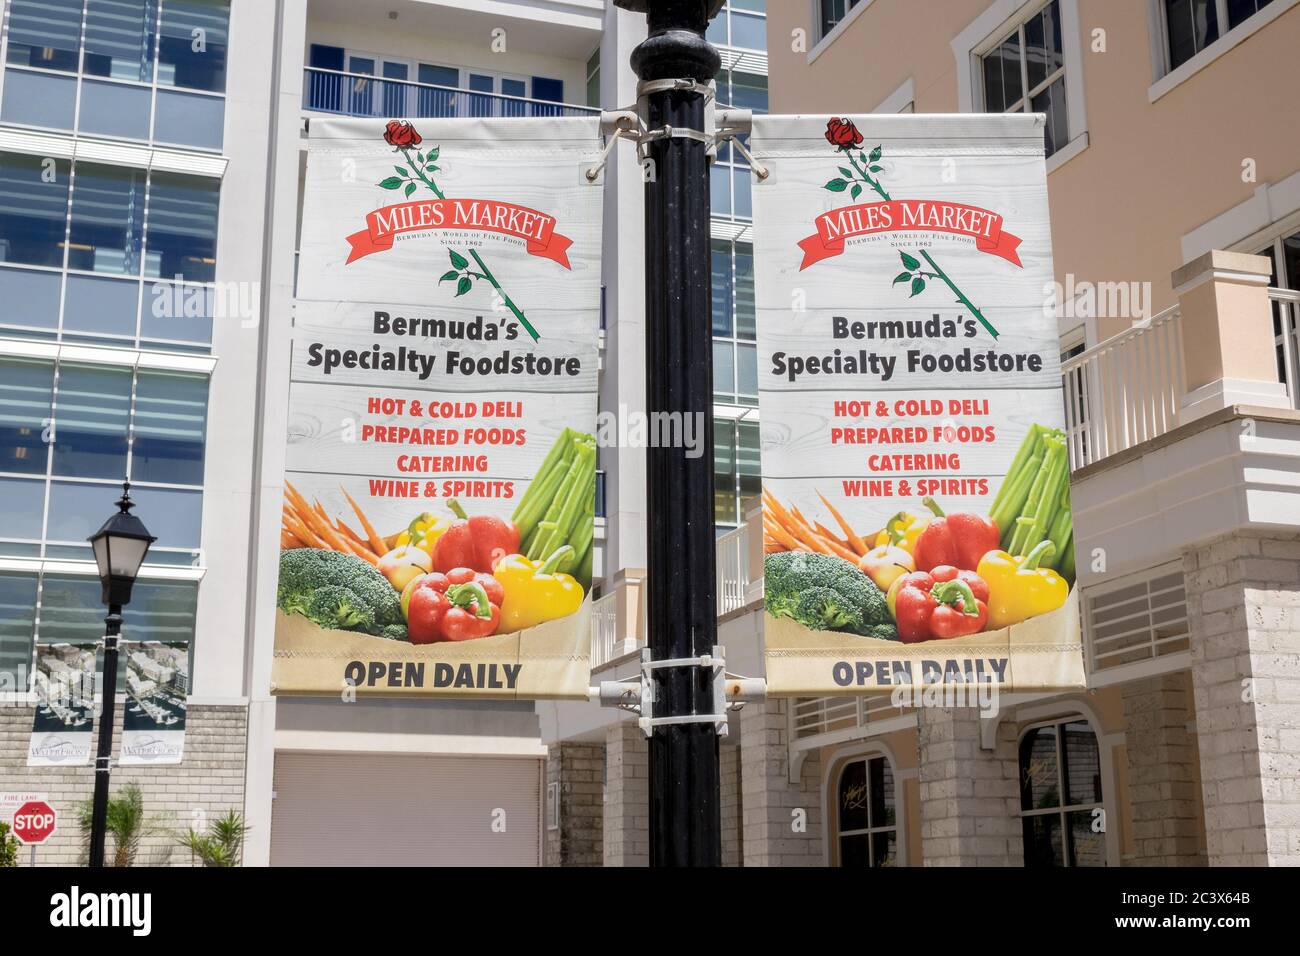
(739, 31)
(108, 270)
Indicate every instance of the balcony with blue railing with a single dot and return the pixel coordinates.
(359, 94)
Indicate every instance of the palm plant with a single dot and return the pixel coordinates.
(126, 821)
(222, 843)
(8, 847)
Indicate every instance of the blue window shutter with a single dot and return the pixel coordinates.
(325, 57)
(548, 89)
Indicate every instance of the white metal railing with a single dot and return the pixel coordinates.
(614, 637)
(1124, 391)
(817, 716)
(359, 94)
(605, 640)
(1286, 338)
(733, 570)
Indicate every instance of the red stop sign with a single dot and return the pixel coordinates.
(34, 822)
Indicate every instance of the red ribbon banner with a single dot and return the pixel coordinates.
(908, 215)
(537, 229)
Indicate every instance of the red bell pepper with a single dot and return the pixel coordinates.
(956, 539)
(477, 542)
(471, 614)
(929, 608)
(457, 606)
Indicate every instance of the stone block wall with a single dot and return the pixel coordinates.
(970, 797)
(577, 770)
(208, 782)
(1163, 781)
(782, 820)
(1243, 610)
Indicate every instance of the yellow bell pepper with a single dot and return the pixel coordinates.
(424, 531)
(535, 591)
(902, 530)
(1018, 588)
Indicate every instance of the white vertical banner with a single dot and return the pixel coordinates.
(438, 525)
(917, 521)
(154, 702)
(64, 688)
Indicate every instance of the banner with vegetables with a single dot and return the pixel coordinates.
(440, 478)
(917, 526)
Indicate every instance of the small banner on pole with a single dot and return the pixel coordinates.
(157, 686)
(438, 522)
(64, 686)
(916, 503)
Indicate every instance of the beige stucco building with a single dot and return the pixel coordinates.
(1174, 181)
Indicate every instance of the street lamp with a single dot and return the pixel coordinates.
(119, 546)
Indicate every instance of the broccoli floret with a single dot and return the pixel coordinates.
(339, 608)
(393, 632)
(824, 610)
(304, 571)
(825, 593)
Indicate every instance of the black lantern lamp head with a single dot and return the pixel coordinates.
(120, 547)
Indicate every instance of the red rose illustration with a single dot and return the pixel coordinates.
(402, 134)
(842, 133)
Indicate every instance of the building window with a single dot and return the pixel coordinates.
(44, 33)
(737, 471)
(866, 823)
(70, 433)
(735, 354)
(1284, 253)
(1025, 72)
(832, 12)
(152, 70)
(593, 80)
(1192, 25)
(740, 23)
(37, 610)
(1060, 796)
(75, 242)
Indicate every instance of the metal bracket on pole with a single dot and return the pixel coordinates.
(637, 694)
(734, 123)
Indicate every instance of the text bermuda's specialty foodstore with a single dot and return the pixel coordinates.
(437, 533)
(917, 523)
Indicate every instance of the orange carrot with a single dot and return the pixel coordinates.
(855, 541)
(348, 532)
(374, 537)
(304, 534)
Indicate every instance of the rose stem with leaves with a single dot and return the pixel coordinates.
(487, 273)
(419, 171)
(938, 272)
(961, 296)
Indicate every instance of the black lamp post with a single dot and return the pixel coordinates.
(120, 546)
(675, 64)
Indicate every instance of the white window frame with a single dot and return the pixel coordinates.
(989, 29)
(902, 100)
(830, 797)
(1163, 79)
(824, 40)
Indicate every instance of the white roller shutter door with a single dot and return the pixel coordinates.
(347, 809)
